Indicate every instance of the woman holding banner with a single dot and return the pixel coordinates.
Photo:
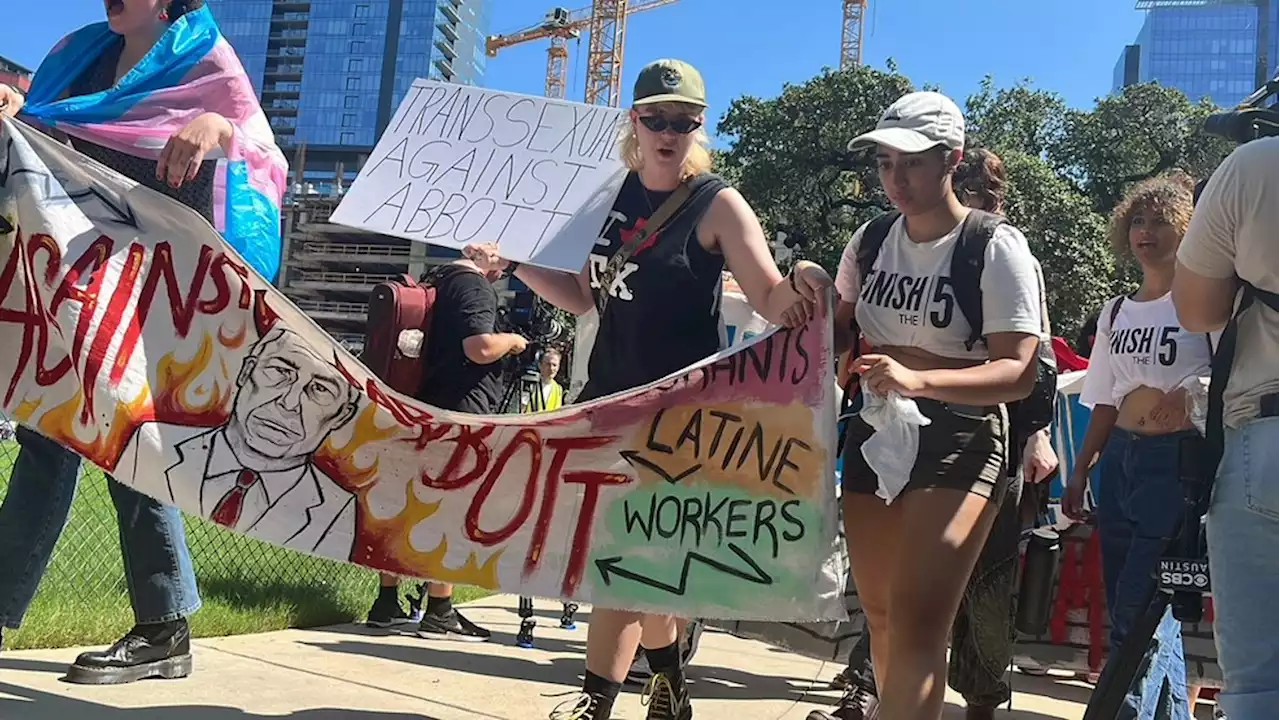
(158, 95)
(659, 316)
(913, 545)
(1144, 373)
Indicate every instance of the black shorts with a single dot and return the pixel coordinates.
(964, 448)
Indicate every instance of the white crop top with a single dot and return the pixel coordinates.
(907, 299)
(1145, 348)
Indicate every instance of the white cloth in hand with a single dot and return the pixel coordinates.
(891, 450)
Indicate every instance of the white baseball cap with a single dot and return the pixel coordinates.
(916, 122)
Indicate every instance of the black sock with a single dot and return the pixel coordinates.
(439, 606)
(665, 660)
(604, 690)
(389, 593)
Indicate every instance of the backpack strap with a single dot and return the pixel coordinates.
(654, 224)
(1115, 311)
(873, 237)
(967, 263)
(1220, 372)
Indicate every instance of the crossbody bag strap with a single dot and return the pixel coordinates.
(620, 258)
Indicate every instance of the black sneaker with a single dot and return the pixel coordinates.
(451, 627)
(667, 698)
(386, 612)
(858, 703)
(566, 617)
(148, 651)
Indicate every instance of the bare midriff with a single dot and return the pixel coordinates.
(1135, 409)
(917, 359)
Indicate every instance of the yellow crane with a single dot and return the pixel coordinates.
(606, 22)
(851, 34)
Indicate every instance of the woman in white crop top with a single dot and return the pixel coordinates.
(915, 553)
(1144, 371)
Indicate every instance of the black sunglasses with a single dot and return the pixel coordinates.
(681, 125)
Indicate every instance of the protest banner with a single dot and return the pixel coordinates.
(461, 164)
(139, 339)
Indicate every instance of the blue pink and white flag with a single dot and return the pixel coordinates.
(190, 71)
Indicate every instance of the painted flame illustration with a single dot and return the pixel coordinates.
(192, 392)
(339, 462)
(385, 543)
(62, 423)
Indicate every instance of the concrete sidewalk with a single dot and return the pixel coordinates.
(351, 672)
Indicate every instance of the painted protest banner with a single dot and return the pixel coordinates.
(461, 164)
(140, 340)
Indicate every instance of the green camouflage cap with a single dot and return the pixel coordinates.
(669, 81)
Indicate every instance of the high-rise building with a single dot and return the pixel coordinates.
(13, 74)
(1219, 49)
(330, 74)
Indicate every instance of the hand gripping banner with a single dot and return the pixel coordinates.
(137, 337)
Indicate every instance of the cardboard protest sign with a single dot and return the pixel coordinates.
(141, 341)
(461, 164)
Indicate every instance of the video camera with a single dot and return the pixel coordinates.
(532, 318)
(1249, 120)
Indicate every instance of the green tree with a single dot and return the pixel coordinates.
(1140, 132)
(1065, 235)
(1016, 119)
(788, 155)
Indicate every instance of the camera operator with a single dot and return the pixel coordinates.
(462, 373)
(1230, 247)
(552, 392)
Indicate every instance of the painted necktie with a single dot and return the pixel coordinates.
(227, 511)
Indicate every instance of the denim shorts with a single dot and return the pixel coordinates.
(963, 448)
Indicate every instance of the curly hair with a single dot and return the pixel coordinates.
(1165, 198)
(981, 173)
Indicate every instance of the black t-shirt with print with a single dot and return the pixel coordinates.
(664, 311)
(466, 305)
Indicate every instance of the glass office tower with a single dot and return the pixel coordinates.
(1219, 49)
(331, 72)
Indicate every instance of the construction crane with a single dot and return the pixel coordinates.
(606, 23)
(851, 34)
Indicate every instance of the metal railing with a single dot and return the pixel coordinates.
(356, 249)
(335, 307)
(342, 278)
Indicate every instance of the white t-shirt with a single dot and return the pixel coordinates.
(1234, 233)
(1146, 348)
(908, 302)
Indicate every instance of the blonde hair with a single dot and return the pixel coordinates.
(1167, 198)
(696, 162)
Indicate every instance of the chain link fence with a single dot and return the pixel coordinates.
(246, 585)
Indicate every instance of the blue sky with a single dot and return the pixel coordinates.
(753, 47)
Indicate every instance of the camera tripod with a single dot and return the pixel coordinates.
(1180, 580)
(528, 384)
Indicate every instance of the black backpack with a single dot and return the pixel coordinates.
(1034, 412)
(1220, 372)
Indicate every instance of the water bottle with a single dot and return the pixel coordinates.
(1035, 594)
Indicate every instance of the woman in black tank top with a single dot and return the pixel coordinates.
(662, 313)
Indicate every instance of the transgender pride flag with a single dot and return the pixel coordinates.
(191, 70)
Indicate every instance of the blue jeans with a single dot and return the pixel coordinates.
(1139, 504)
(157, 563)
(1242, 564)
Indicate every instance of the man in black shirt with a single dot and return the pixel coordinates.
(462, 373)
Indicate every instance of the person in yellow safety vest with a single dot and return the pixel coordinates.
(552, 392)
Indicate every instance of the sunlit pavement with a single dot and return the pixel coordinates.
(353, 672)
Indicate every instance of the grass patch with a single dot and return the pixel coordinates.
(247, 586)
